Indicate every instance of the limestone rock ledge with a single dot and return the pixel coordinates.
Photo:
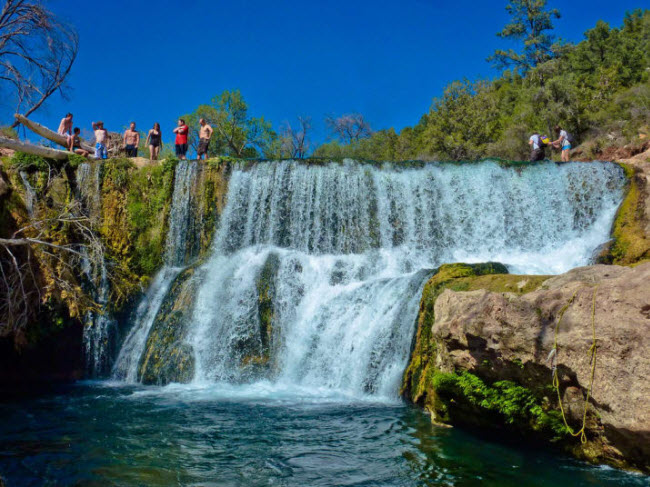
(481, 357)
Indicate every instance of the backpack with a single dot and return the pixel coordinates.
(542, 141)
(571, 139)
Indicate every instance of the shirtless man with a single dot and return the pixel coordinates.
(65, 127)
(101, 140)
(131, 141)
(205, 134)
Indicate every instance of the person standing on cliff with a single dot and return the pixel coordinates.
(181, 139)
(101, 140)
(65, 127)
(205, 134)
(131, 141)
(563, 142)
(154, 140)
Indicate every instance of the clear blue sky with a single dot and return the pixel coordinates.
(154, 61)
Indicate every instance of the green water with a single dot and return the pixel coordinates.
(101, 434)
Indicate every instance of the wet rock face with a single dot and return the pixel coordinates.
(167, 357)
(502, 336)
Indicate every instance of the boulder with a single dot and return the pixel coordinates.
(489, 356)
(167, 356)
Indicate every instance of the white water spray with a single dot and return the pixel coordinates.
(345, 249)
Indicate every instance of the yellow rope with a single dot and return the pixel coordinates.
(591, 352)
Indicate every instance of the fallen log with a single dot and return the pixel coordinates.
(43, 131)
(36, 150)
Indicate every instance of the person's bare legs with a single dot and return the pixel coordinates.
(565, 156)
(152, 153)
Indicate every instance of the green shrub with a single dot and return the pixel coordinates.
(516, 404)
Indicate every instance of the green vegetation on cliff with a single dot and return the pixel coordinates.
(598, 90)
(631, 244)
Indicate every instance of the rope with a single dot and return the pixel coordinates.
(592, 359)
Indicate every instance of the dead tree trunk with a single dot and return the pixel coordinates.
(49, 134)
(37, 150)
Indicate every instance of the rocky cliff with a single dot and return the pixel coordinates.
(98, 234)
(517, 353)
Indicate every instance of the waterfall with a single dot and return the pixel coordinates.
(316, 272)
(30, 194)
(179, 251)
(99, 325)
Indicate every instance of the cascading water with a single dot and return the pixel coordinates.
(316, 271)
(178, 252)
(30, 194)
(99, 329)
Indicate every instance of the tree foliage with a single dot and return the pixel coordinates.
(598, 90)
(236, 133)
(530, 23)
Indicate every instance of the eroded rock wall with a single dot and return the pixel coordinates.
(481, 358)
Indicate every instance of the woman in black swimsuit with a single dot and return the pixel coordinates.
(154, 139)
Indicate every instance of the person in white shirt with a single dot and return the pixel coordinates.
(563, 142)
(537, 153)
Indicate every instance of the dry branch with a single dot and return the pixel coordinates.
(49, 134)
(36, 150)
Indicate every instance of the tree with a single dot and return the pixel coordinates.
(37, 52)
(530, 21)
(295, 143)
(349, 128)
(235, 132)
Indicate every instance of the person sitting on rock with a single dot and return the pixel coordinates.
(75, 143)
(101, 140)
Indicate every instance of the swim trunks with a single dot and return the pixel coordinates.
(203, 147)
(100, 151)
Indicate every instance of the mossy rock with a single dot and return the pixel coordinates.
(457, 277)
(256, 360)
(167, 357)
(631, 245)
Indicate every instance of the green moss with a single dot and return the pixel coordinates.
(167, 357)
(266, 290)
(148, 203)
(631, 245)
(514, 404)
(75, 160)
(29, 162)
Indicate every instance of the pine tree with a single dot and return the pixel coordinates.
(530, 23)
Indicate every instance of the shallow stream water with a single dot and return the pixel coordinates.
(104, 434)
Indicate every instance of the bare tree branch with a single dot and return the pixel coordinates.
(37, 52)
(349, 128)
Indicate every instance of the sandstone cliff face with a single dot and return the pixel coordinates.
(486, 360)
